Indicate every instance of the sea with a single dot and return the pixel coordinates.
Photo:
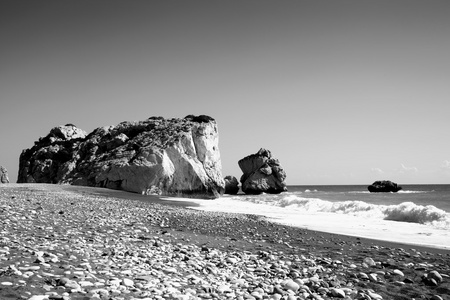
(417, 214)
(423, 204)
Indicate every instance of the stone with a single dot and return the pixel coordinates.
(4, 175)
(369, 261)
(127, 282)
(337, 293)
(373, 277)
(156, 156)
(231, 185)
(434, 275)
(374, 296)
(385, 186)
(262, 174)
(291, 285)
(39, 297)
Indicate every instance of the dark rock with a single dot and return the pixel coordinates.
(385, 186)
(3, 175)
(262, 174)
(199, 119)
(156, 156)
(231, 185)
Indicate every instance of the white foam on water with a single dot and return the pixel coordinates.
(411, 192)
(403, 212)
(320, 215)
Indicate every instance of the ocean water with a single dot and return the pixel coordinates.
(417, 215)
(423, 204)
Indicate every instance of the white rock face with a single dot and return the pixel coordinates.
(155, 156)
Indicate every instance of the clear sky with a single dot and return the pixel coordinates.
(340, 91)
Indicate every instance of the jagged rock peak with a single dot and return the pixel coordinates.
(157, 155)
(62, 133)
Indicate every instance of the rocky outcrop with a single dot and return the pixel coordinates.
(3, 175)
(155, 156)
(385, 186)
(231, 185)
(262, 174)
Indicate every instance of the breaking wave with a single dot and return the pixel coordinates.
(411, 192)
(403, 212)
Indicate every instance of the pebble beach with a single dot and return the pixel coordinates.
(67, 242)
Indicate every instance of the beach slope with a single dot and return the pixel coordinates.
(67, 242)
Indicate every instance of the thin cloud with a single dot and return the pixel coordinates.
(407, 170)
(377, 171)
(445, 167)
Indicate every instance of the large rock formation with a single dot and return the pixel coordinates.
(262, 174)
(155, 156)
(3, 175)
(385, 186)
(231, 185)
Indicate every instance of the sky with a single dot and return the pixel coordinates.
(341, 92)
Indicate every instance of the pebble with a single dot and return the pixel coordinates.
(39, 297)
(434, 275)
(127, 282)
(291, 285)
(373, 277)
(337, 293)
(369, 261)
(109, 250)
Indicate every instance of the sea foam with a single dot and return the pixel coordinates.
(403, 212)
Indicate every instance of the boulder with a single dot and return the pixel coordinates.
(155, 156)
(231, 185)
(3, 175)
(384, 186)
(262, 174)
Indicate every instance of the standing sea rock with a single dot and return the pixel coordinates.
(3, 175)
(262, 174)
(384, 186)
(231, 185)
(154, 156)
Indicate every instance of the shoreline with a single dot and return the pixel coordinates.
(67, 242)
(392, 238)
(208, 205)
(409, 234)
